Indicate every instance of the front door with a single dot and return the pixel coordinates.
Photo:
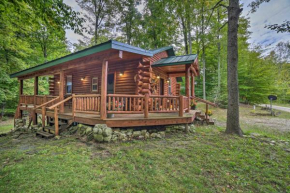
(111, 83)
(161, 88)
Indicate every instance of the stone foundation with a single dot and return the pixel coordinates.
(20, 125)
(102, 133)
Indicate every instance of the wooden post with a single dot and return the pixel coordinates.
(73, 106)
(146, 106)
(192, 85)
(56, 121)
(206, 112)
(61, 90)
(35, 85)
(34, 114)
(103, 113)
(181, 106)
(20, 112)
(43, 112)
(186, 128)
(187, 73)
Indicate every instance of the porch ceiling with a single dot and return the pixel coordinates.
(176, 64)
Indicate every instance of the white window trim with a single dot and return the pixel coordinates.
(95, 84)
(71, 84)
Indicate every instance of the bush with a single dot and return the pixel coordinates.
(4, 118)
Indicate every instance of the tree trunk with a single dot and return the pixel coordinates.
(184, 30)
(233, 122)
(203, 50)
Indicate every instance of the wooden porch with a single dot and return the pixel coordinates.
(128, 110)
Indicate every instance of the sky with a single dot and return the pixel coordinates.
(274, 12)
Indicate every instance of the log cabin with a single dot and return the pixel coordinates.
(113, 83)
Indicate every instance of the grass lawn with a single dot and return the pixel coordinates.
(6, 126)
(206, 161)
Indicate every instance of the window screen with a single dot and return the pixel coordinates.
(95, 84)
(69, 84)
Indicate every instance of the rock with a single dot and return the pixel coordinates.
(158, 136)
(147, 135)
(116, 130)
(57, 137)
(130, 130)
(107, 139)
(288, 150)
(136, 133)
(140, 137)
(122, 136)
(98, 137)
(143, 132)
(107, 132)
(97, 130)
(153, 135)
(80, 125)
(88, 130)
(255, 134)
(129, 134)
(162, 134)
(20, 124)
(114, 138)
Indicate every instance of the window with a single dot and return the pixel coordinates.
(169, 86)
(95, 84)
(69, 84)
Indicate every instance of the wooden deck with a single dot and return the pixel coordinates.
(124, 120)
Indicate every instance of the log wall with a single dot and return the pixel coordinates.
(125, 84)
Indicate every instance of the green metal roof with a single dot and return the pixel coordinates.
(111, 44)
(175, 60)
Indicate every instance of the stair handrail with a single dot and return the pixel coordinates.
(56, 113)
(59, 103)
(44, 104)
(204, 101)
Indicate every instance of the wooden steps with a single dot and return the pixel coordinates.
(49, 131)
(44, 134)
(201, 117)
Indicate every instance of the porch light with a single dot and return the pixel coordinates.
(58, 82)
(158, 76)
(83, 78)
(121, 73)
(168, 80)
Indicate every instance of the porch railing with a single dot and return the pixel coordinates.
(35, 100)
(26, 99)
(118, 103)
(160, 103)
(86, 104)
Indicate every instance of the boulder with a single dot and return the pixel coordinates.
(136, 133)
(98, 137)
(143, 132)
(107, 139)
(97, 130)
(162, 134)
(107, 132)
(147, 135)
(88, 130)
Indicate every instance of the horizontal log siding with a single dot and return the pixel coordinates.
(124, 84)
(162, 74)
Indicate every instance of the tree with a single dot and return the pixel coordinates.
(233, 119)
(99, 15)
(130, 19)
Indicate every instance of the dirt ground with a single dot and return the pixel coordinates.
(255, 118)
